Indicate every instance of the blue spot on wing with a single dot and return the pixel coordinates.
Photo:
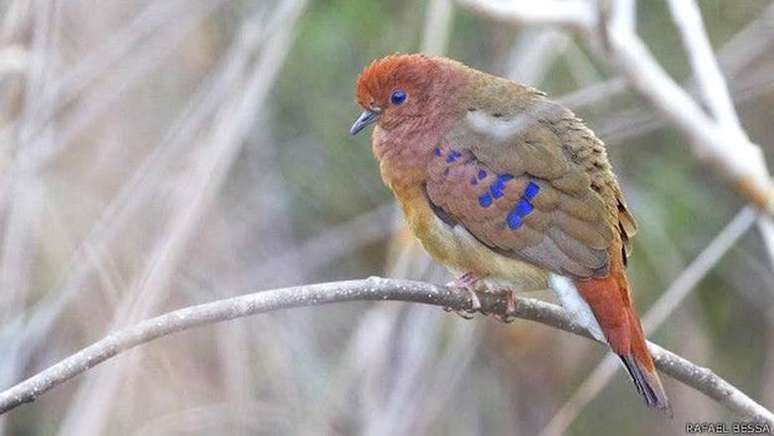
(497, 187)
(437, 151)
(485, 200)
(452, 156)
(531, 191)
(523, 207)
(513, 219)
(473, 180)
(481, 174)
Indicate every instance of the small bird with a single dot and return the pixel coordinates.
(510, 191)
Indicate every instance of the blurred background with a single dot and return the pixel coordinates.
(159, 154)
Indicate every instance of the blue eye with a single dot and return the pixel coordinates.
(398, 97)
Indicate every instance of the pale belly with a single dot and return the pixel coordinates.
(455, 248)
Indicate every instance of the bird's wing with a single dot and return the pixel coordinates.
(534, 185)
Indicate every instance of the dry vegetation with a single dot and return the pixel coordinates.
(160, 154)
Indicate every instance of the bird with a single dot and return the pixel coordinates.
(510, 191)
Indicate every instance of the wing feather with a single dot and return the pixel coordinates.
(537, 195)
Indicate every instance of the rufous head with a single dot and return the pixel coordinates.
(398, 88)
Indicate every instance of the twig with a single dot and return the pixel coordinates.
(712, 84)
(533, 53)
(372, 289)
(728, 150)
(327, 247)
(575, 14)
(438, 20)
(706, 71)
(13, 59)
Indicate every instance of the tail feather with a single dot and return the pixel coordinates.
(610, 302)
(642, 369)
(647, 383)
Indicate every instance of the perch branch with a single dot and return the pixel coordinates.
(372, 289)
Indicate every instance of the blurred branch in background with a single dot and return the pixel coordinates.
(726, 147)
(373, 289)
(230, 102)
(323, 249)
(438, 20)
(200, 186)
(574, 14)
(733, 57)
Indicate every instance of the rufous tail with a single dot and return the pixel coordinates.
(610, 301)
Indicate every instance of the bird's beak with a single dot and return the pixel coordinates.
(365, 119)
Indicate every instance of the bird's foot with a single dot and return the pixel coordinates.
(510, 306)
(467, 282)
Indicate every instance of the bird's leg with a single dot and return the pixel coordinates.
(467, 282)
(510, 306)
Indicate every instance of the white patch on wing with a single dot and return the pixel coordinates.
(497, 127)
(575, 305)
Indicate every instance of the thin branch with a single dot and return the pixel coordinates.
(728, 150)
(372, 289)
(334, 243)
(734, 56)
(438, 20)
(533, 53)
(13, 59)
(712, 84)
(706, 71)
(575, 13)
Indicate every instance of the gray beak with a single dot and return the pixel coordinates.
(365, 119)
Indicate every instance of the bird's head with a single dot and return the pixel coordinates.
(399, 88)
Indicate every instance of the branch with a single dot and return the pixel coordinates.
(706, 69)
(372, 289)
(575, 14)
(728, 150)
(438, 20)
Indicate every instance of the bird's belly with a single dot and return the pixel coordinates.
(454, 247)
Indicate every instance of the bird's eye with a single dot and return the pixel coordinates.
(398, 97)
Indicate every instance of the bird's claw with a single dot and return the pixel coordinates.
(467, 282)
(464, 314)
(510, 307)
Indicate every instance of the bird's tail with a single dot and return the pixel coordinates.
(611, 304)
(639, 365)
